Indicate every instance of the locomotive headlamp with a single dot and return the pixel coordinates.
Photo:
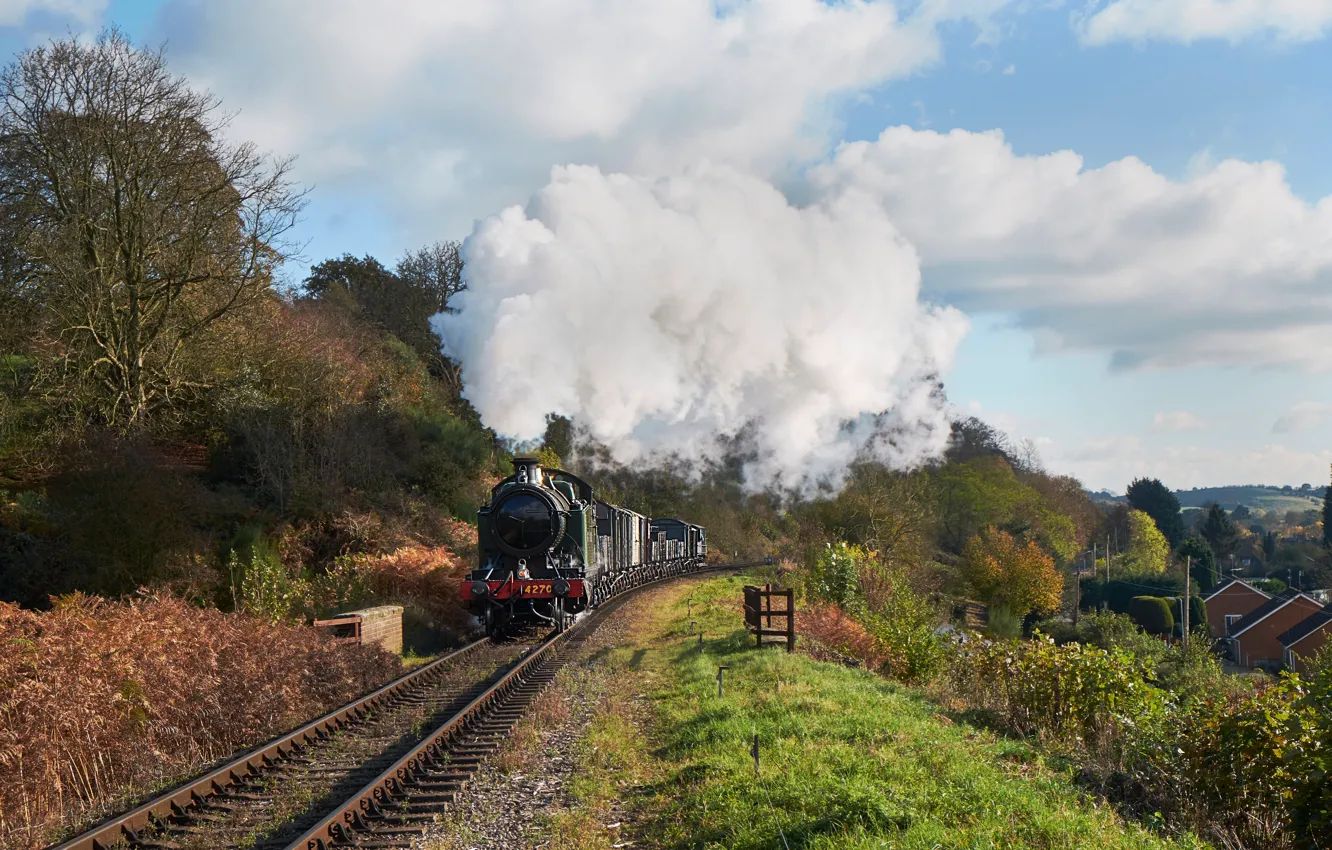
(560, 587)
(480, 589)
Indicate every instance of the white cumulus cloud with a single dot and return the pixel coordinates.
(1176, 420)
(1193, 20)
(447, 110)
(1227, 266)
(697, 306)
(1304, 416)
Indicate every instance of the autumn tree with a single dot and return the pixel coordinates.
(1010, 574)
(132, 226)
(1148, 551)
(1155, 499)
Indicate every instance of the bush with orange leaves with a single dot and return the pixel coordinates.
(426, 576)
(100, 700)
(1018, 577)
(829, 633)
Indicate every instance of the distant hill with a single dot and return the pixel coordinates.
(1279, 499)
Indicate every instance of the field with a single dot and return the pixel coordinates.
(1266, 498)
(848, 760)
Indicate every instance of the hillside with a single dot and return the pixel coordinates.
(1279, 499)
(1267, 498)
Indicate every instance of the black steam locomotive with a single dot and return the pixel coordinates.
(548, 549)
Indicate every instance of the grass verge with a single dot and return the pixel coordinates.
(848, 759)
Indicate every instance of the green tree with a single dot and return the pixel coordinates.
(1270, 544)
(1203, 563)
(1327, 517)
(436, 271)
(1148, 551)
(401, 305)
(1154, 499)
(1219, 532)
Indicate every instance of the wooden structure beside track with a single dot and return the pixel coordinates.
(759, 613)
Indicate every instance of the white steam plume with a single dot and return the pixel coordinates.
(662, 314)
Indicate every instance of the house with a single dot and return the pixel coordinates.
(1254, 637)
(1303, 641)
(1251, 563)
(1229, 601)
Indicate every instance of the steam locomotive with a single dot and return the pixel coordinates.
(548, 549)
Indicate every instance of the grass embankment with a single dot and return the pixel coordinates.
(849, 760)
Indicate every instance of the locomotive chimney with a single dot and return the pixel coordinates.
(528, 470)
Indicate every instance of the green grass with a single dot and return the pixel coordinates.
(849, 760)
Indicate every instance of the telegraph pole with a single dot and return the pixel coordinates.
(1077, 587)
(1188, 569)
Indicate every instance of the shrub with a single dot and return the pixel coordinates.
(835, 577)
(1152, 613)
(1272, 586)
(827, 631)
(1110, 631)
(104, 700)
(1070, 695)
(1197, 617)
(1017, 576)
(1003, 623)
(262, 586)
(1120, 591)
(904, 622)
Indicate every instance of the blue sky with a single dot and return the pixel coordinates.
(1165, 103)
(1181, 95)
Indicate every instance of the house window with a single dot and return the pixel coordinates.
(1230, 618)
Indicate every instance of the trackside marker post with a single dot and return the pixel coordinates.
(719, 680)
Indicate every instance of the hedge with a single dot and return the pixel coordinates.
(1153, 614)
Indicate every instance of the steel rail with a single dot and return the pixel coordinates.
(175, 802)
(360, 811)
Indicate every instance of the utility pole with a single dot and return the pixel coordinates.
(1077, 587)
(1188, 569)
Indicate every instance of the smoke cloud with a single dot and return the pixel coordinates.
(662, 314)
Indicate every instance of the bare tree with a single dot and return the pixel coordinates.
(135, 225)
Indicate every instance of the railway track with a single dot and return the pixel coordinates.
(258, 798)
(367, 768)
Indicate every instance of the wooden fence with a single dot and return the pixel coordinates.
(759, 613)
